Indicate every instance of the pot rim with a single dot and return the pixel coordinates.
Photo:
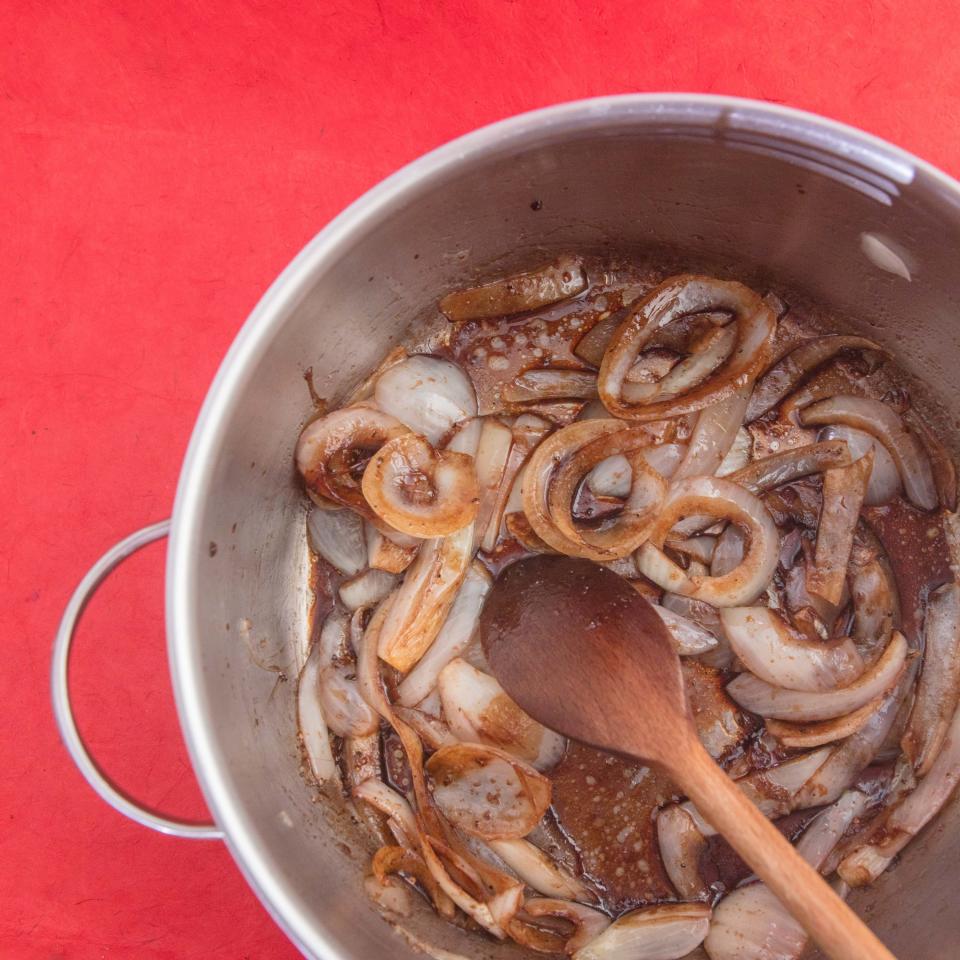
(185, 549)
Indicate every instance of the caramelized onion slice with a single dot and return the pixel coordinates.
(804, 736)
(713, 436)
(390, 803)
(550, 383)
(675, 298)
(454, 637)
(719, 498)
(689, 637)
(681, 845)
(366, 590)
(385, 553)
(419, 490)
(538, 871)
(333, 450)
(487, 792)
(427, 394)
(665, 932)
(938, 689)
(884, 483)
(388, 861)
(760, 697)
(564, 277)
(944, 471)
(477, 709)
(781, 379)
(770, 472)
(771, 650)
(886, 425)
(423, 600)
(588, 923)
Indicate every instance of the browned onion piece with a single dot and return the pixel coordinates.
(762, 698)
(560, 464)
(944, 471)
(675, 298)
(550, 383)
(771, 650)
(807, 735)
(563, 278)
(781, 468)
(668, 931)
(843, 491)
(905, 820)
(391, 860)
(722, 499)
(333, 451)
(487, 792)
(777, 382)
(420, 605)
(593, 344)
(588, 923)
(493, 452)
(538, 871)
(713, 436)
(681, 845)
(419, 490)
(873, 591)
(938, 689)
(879, 420)
(519, 527)
(383, 553)
(884, 483)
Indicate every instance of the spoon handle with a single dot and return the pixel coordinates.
(801, 889)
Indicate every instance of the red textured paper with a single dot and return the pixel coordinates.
(159, 164)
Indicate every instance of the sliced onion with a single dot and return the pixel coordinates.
(419, 490)
(346, 711)
(368, 589)
(776, 654)
(424, 598)
(588, 923)
(713, 436)
(427, 394)
(665, 932)
(681, 845)
(493, 452)
(363, 391)
(466, 436)
(848, 759)
(612, 477)
(478, 710)
(311, 721)
(383, 553)
(905, 820)
(751, 923)
(487, 792)
(884, 484)
(807, 735)
(538, 871)
(944, 471)
(390, 895)
(563, 278)
(729, 551)
(550, 383)
(782, 378)
(738, 456)
(428, 727)
(700, 549)
(665, 457)
(527, 432)
(689, 637)
(390, 803)
(560, 464)
(759, 697)
(337, 536)
(781, 468)
(454, 637)
(938, 689)
(392, 860)
(678, 297)
(876, 604)
(722, 499)
(332, 450)
(882, 422)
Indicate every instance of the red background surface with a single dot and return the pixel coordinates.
(159, 165)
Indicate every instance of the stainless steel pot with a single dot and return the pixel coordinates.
(863, 227)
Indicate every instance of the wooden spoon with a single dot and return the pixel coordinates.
(582, 652)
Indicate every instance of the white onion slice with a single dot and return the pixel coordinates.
(375, 792)
(909, 816)
(493, 453)
(938, 689)
(385, 553)
(346, 711)
(391, 895)
(427, 726)
(772, 651)
(538, 871)
(803, 736)
(665, 932)
(689, 637)
(487, 792)
(427, 394)
(884, 484)
(739, 454)
(762, 698)
(551, 383)
(424, 598)
(885, 424)
(681, 845)
(665, 457)
(311, 721)
(714, 435)
(723, 499)
(611, 477)
(588, 923)
(478, 710)
(368, 589)
(337, 536)
(769, 472)
(454, 637)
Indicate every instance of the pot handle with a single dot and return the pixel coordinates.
(63, 710)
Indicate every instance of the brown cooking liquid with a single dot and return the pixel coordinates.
(603, 818)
